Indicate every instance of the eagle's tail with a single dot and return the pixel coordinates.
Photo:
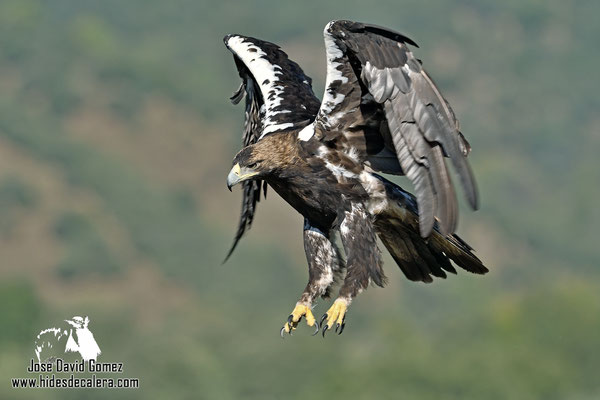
(419, 258)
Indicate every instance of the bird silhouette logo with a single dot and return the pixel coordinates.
(73, 337)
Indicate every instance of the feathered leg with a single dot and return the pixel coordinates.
(363, 263)
(324, 266)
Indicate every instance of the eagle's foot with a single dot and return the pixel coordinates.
(336, 315)
(301, 310)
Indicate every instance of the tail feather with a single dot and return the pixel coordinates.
(418, 258)
(444, 262)
(413, 267)
(460, 252)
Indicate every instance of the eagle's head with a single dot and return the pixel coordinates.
(246, 165)
(260, 160)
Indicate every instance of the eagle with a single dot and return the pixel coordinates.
(381, 113)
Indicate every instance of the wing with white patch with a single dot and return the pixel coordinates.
(281, 92)
(380, 101)
(279, 97)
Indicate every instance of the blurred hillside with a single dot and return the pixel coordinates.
(116, 135)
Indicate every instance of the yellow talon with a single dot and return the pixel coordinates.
(287, 328)
(301, 310)
(335, 314)
(310, 318)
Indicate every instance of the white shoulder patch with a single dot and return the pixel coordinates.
(307, 132)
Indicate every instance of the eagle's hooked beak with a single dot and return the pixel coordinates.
(237, 175)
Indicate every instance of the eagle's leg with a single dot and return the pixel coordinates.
(324, 266)
(363, 264)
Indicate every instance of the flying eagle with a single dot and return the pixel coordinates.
(381, 112)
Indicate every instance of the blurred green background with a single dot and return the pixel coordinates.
(116, 135)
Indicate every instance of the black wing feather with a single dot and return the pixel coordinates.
(251, 189)
(251, 196)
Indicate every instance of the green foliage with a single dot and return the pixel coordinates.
(16, 193)
(87, 253)
(16, 197)
(19, 315)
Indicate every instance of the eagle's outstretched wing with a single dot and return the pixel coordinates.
(279, 98)
(380, 103)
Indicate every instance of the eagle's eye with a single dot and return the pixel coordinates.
(252, 165)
